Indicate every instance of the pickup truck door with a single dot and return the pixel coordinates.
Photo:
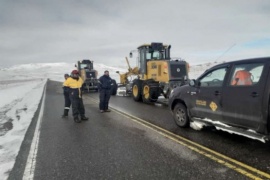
(207, 95)
(242, 101)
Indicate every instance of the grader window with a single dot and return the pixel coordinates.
(155, 55)
(83, 66)
(148, 56)
(158, 55)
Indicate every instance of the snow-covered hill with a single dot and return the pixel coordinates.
(197, 70)
(53, 71)
(56, 71)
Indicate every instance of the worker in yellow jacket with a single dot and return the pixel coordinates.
(66, 96)
(75, 83)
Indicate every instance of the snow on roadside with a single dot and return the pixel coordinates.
(21, 88)
(19, 102)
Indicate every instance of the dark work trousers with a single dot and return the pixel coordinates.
(104, 97)
(67, 101)
(67, 104)
(77, 106)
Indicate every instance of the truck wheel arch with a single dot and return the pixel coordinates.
(176, 101)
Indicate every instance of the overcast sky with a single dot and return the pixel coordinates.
(106, 31)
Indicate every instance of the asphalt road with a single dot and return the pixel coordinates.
(136, 141)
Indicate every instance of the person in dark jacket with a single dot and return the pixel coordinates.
(104, 92)
(66, 96)
(75, 84)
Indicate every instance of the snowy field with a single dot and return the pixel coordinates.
(21, 89)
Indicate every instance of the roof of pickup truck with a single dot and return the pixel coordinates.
(259, 59)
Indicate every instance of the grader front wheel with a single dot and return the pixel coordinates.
(136, 91)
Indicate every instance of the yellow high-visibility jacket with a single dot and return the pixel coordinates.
(74, 85)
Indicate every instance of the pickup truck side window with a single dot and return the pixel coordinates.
(246, 74)
(214, 78)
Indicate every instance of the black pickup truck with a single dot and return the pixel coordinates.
(232, 97)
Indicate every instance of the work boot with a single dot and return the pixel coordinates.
(107, 110)
(76, 119)
(65, 113)
(83, 118)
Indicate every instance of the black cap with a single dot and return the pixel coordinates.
(66, 75)
(106, 71)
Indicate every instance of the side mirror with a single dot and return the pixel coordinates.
(130, 55)
(192, 82)
(117, 72)
(75, 65)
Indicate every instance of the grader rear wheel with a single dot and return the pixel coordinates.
(114, 88)
(150, 91)
(146, 93)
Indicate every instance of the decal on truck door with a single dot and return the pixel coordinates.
(213, 106)
(201, 102)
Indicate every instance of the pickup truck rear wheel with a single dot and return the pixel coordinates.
(180, 115)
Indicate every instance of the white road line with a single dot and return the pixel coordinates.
(31, 160)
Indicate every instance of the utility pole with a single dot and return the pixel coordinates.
(226, 51)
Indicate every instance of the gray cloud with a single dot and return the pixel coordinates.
(105, 31)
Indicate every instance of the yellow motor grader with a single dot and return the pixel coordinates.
(88, 74)
(157, 74)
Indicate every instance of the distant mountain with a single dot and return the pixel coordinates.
(56, 71)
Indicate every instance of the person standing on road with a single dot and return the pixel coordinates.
(66, 96)
(75, 93)
(104, 92)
